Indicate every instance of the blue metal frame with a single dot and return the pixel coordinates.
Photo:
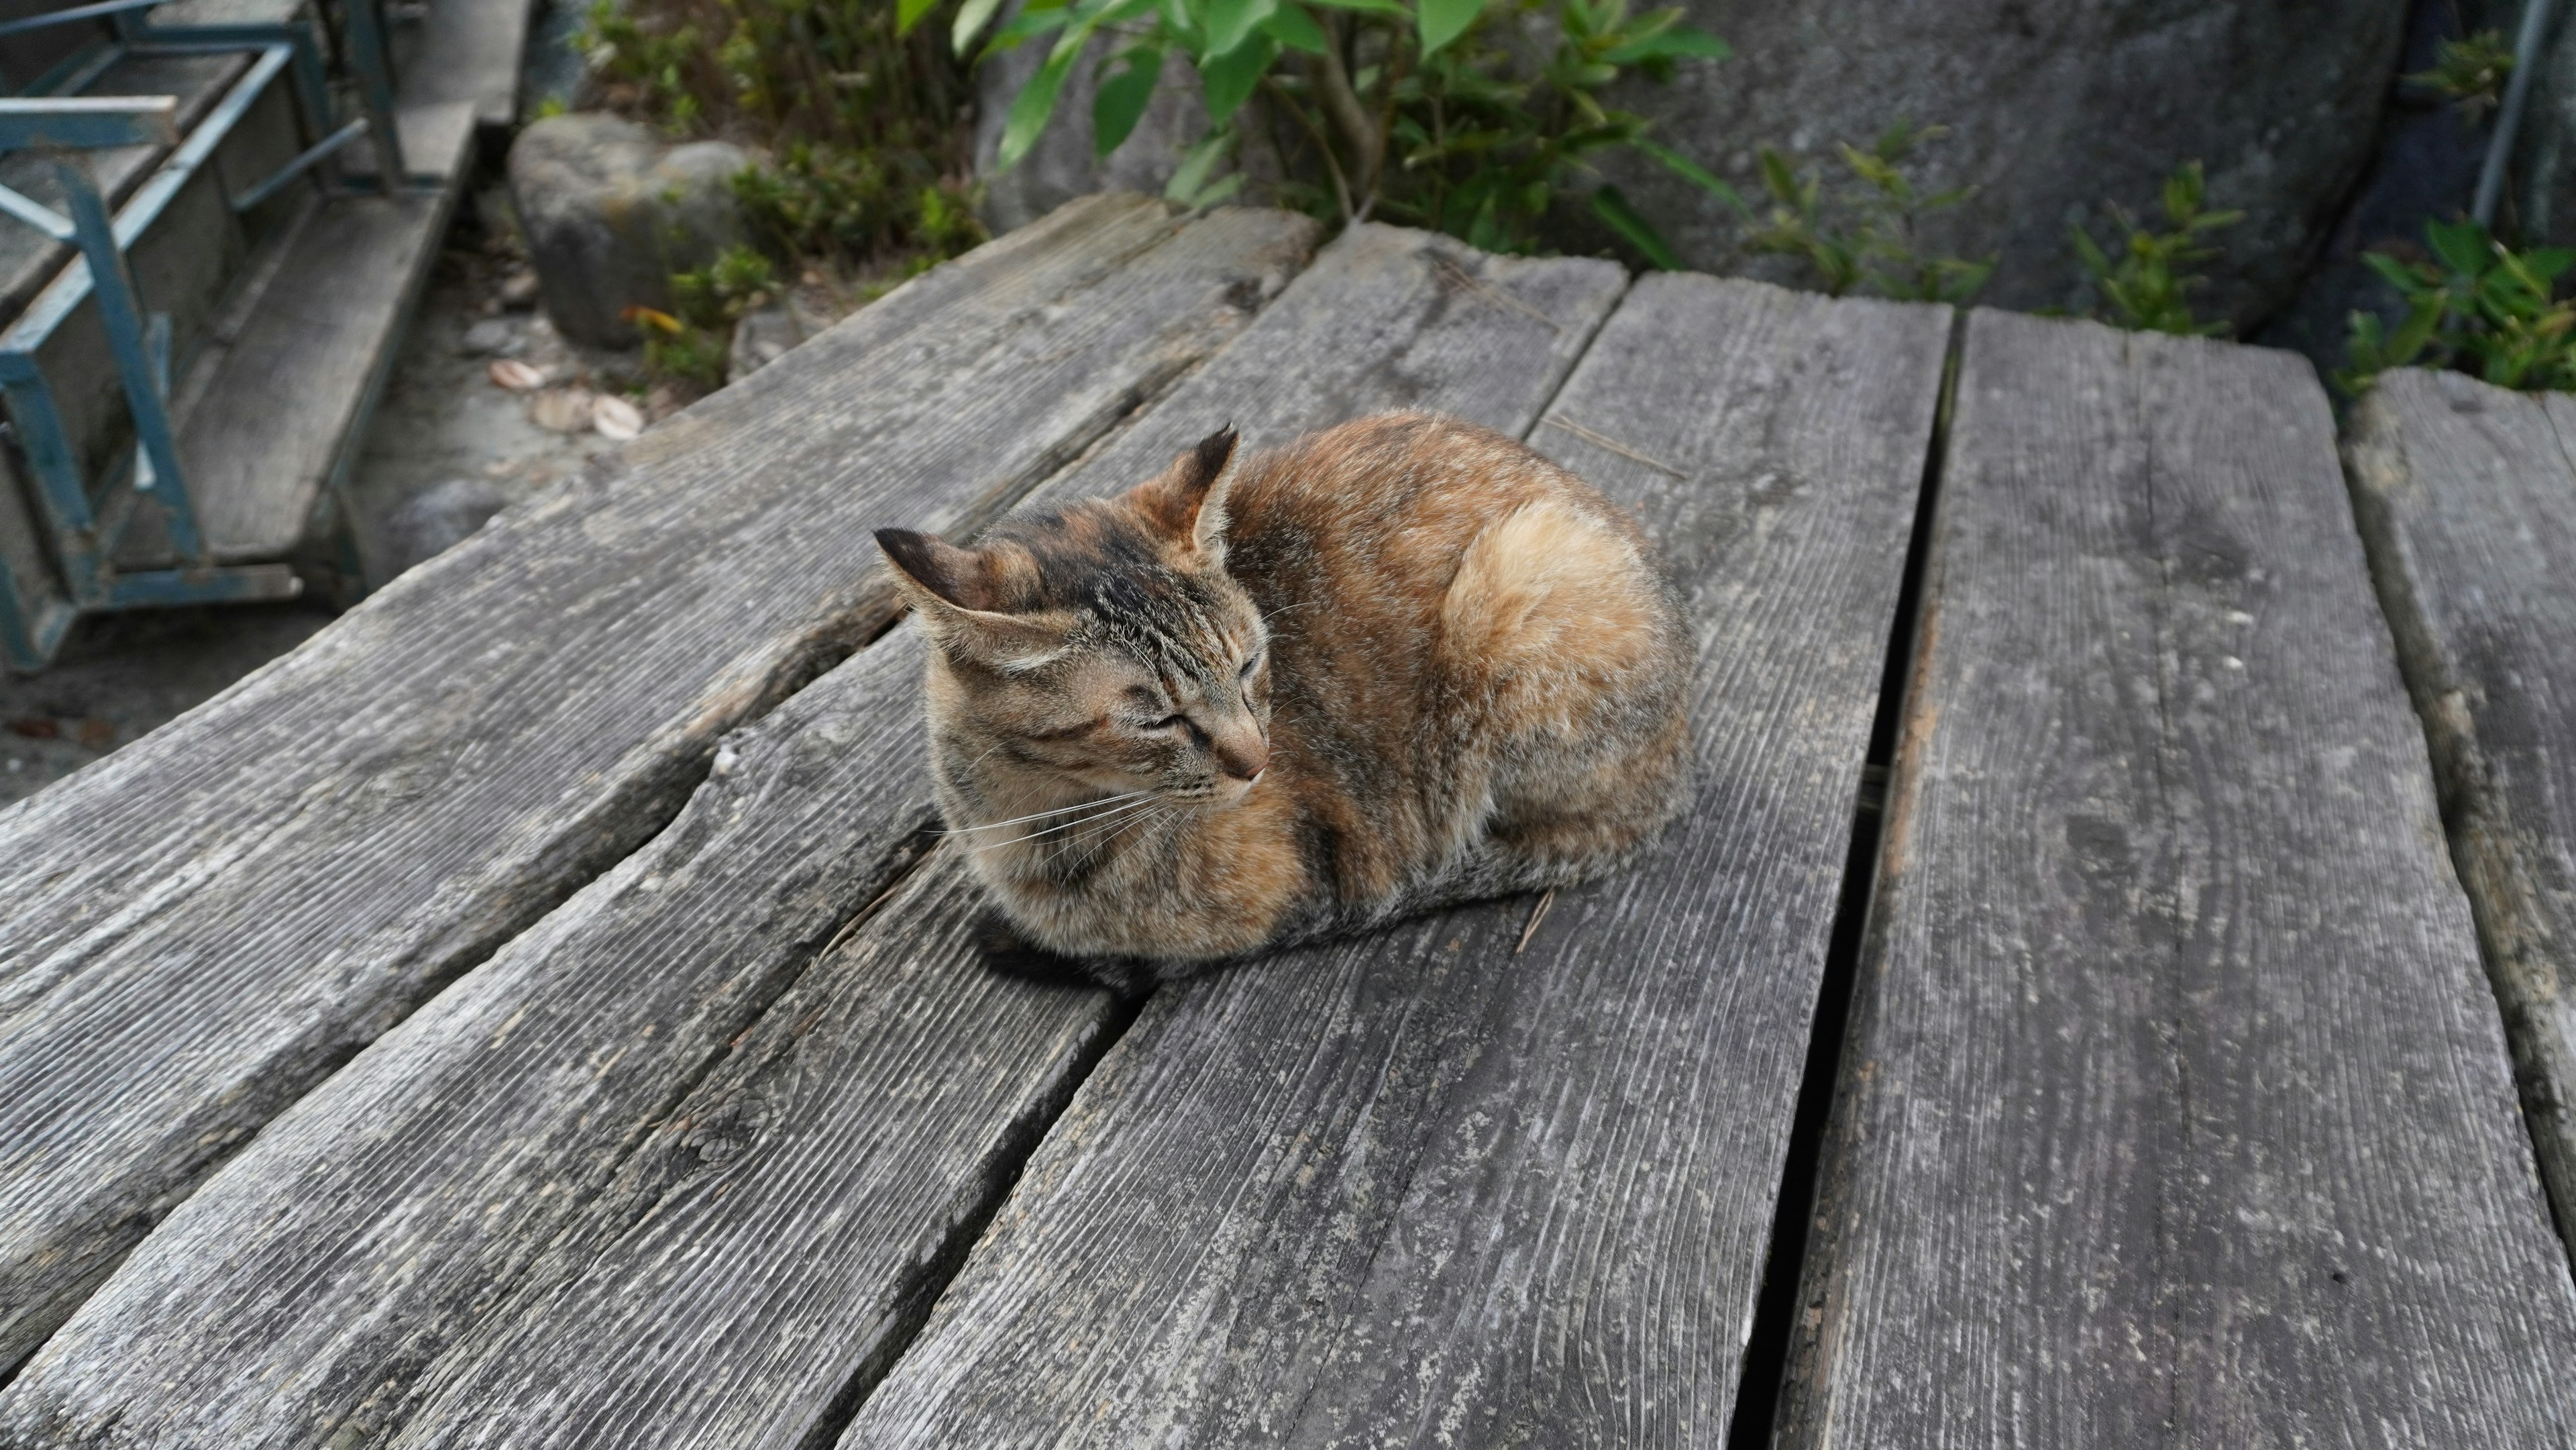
(83, 532)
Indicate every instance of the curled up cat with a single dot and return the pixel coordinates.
(1255, 700)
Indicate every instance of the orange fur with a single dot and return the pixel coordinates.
(1466, 677)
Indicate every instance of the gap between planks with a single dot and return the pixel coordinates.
(1775, 1311)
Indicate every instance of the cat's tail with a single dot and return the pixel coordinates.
(1566, 653)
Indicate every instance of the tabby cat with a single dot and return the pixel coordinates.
(1400, 663)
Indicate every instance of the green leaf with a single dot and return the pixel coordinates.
(1443, 21)
(1027, 25)
(1191, 178)
(1292, 27)
(1694, 173)
(2462, 246)
(2089, 252)
(1229, 78)
(1034, 105)
(908, 13)
(1214, 192)
(972, 17)
(1682, 42)
(1777, 178)
(1613, 208)
(1228, 22)
(1122, 98)
(2394, 272)
(1371, 7)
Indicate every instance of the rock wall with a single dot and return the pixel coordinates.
(2054, 107)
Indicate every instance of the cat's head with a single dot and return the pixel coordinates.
(1102, 644)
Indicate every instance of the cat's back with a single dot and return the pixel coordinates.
(1441, 599)
(1371, 522)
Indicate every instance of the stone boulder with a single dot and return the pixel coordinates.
(2054, 110)
(611, 211)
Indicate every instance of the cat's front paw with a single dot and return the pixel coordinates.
(1007, 953)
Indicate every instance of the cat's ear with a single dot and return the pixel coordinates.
(961, 599)
(933, 570)
(1186, 501)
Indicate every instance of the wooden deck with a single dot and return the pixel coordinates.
(536, 1012)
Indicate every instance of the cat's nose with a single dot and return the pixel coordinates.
(1242, 756)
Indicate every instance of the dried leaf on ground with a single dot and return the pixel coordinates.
(615, 419)
(562, 410)
(515, 375)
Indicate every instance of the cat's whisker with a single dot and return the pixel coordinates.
(1126, 805)
(1042, 815)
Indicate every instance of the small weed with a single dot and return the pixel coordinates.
(2147, 287)
(693, 342)
(2474, 304)
(2469, 74)
(822, 200)
(1860, 233)
(866, 123)
(674, 351)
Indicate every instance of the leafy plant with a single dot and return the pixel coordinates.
(867, 123)
(2469, 73)
(813, 198)
(693, 342)
(2474, 304)
(1861, 233)
(1472, 117)
(2147, 286)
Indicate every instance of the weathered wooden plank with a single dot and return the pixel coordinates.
(298, 1295)
(203, 925)
(304, 1290)
(293, 387)
(2464, 493)
(763, 1255)
(2176, 1110)
(1467, 1182)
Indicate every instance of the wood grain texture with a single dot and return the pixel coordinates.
(2464, 494)
(2176, 1110)
(199, 928)
(299, 1295)
(740, 1294)
(1436, 1186)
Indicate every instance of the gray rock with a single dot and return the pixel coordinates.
(2053, 110)
(610, 212)
(437, 519)
(2540, 191)
(1062, 166)
(491, 335)
(762, 337)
